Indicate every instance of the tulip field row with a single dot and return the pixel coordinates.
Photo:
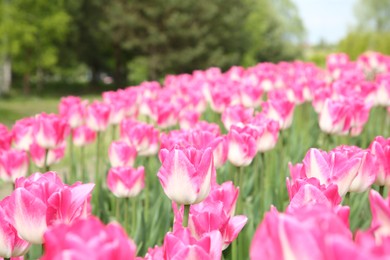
(275, 161)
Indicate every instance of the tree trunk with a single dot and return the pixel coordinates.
(26, 83)
(5, 75)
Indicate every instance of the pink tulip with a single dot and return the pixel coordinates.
(53, 156)
(11, 245)
(144, 137)
(280, 235)
(234, 115)
(182, 245)
(334, 167)
(380, 147)
(83, 135)
(49, 130)
(335, 62)
(242, 147)
(265, 131)
(13, 164)
(42, 200)
(126, 182)
(380, 209)
(333, 117)
(121, 154)
(225, 193)
(383, 90)
(5, 138)
(88, 239)
(22, 133)
(165, 114)
(155, 253)
(209, 127)
(186, 174)
(73, 110)
(98, 115)
(279, 109)
(188, 119)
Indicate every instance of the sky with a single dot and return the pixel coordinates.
(326, 19)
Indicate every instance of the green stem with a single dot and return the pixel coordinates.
(347, 199)
(234, 249)
(45, 165)
(98, 136)
(126, 221)
(72, 171)
(134, 217)
(82, 159)
(382, 190)
(117, 202)
(186, 215)
(113, 132)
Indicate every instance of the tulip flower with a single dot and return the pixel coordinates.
(5, 138)
(126, 182)
(280, 235)
(53, 155)
(98, 115)
(380, 209)
(333, 167)
(265, 131)
(155, 253)
(13, 164)
(281, 110)
(22, 133)
(83, 135)
(49, 130)
(42, 200)
(73, 110)
(144, 137)
(11, 245)
(380, 147)
(186, 174)
(236, 115)
(242, 147)
(121, 154)
(88, 239)
(188, 119)
(182, 245)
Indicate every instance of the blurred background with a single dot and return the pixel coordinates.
(57, 47)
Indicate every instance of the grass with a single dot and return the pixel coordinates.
(271, 169)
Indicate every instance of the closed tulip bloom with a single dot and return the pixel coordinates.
(42, 200)
(125, 182)
(333, 117)
(333, 167)
(22, 133)
(188, 119)
(266, 132)
(13, 164)
(54, 155)
(5, 138)
(242, 147)
(121, 154)
(11, 245)
(83, 135)
(234, 115)
(49, 130)
(144, 137)
(380, 147)
(186, 174)
(380, 209)
(88, 239)
(98, 115)
(182, 245)
(280, 110)
(73, 110)
(280, 235)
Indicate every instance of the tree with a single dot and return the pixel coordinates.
(373, 15)
(33, 29)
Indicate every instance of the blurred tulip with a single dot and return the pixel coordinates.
(280, 110)
(72, 109)
(121, 154)
(380, 147)
(126, 182)
(88, 239)
(83, 135)
(13, 164)
(380, 209)
(98, 115)
(49, 130)
(5, 138)
(242, 147)
(236, 115)
(266, 132)
(22, 133)
(186, 174)
(144, 137)
(53, 156)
